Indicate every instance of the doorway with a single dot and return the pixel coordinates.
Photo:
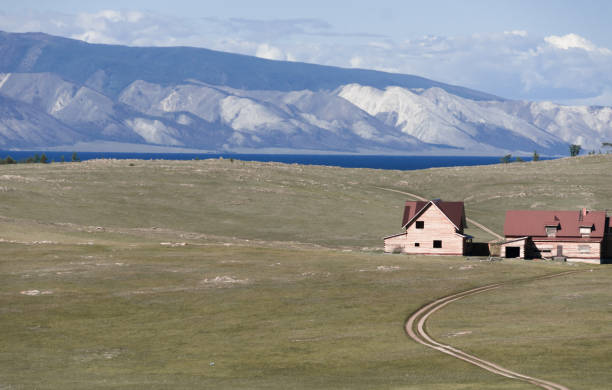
(513, 252)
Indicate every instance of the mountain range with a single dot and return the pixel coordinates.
(62, 93)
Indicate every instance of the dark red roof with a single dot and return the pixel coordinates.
(533, 223)
(453, 210)
(411, 209)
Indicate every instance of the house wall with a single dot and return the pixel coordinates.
(437, 227)
(571, 249)
(520, 243)
(395, 243)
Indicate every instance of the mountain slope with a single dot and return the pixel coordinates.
(111, 68)
(57, 91)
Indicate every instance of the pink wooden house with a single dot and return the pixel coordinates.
(581, 235)
(431, 228)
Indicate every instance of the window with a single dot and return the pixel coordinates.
(437, 244)
(420, 224)
(551, 231)
(585, 230)
(417, 244)
(584, 248)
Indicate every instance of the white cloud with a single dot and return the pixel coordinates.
(95, 37)
(356, 62)
(520, 33)
(570, 41)
(270, 52)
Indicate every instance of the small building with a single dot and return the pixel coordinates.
(580, 235)
(431, 228)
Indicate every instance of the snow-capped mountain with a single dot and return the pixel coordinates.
(56, 91)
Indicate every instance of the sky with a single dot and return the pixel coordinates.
(532, 50)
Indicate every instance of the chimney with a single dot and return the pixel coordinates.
(583, 213)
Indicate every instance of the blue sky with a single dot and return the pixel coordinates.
(534, 50)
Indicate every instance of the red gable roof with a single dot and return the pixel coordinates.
(453, 210)
(520, 223)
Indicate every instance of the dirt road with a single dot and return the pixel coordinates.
(415, 328)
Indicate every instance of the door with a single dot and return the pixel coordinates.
(513, 251)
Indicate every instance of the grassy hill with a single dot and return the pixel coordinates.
(221, 274)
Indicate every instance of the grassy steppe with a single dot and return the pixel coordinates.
(281, 284)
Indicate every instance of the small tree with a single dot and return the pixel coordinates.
(574, 150)
(536, 156)
(62, 159)
(36, 158)
(9, 160)
(519, 159)
(506, 159)
(75, 158)
(44, 159)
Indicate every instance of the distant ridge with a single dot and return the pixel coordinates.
(60, 92)
(78, 61)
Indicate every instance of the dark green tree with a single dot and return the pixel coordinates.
(536, 156)
(44, 159)
(36, 158)
(506, 159)
(75, 158)
(574, 150)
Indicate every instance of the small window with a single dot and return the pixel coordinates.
(585, 230)
(551, 231)
(420, 224)
(437, 244)
(417, 244)
(584, 248)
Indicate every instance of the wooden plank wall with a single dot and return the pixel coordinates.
(437, 227)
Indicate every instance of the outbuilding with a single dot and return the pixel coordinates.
(581, 235)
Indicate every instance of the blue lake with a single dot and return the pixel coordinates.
(347, 161)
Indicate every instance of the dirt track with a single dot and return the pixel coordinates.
(415, 328)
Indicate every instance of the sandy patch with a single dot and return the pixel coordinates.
(224, 281)
(36, 292)
(173, 244)
(15, 178)
(459, 333)
(387, 268)
(313, 274)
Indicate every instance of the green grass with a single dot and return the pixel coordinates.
(303, 297)
(562, 327)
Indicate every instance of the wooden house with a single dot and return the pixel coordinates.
(566, 235)
(431, 228)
